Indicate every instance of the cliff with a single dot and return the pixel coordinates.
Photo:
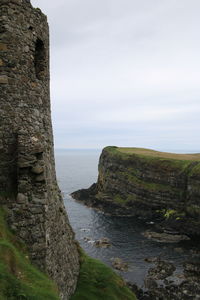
(28, 186)
(148, 184)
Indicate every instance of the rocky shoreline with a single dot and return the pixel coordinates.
(163, 283)
(164, 280)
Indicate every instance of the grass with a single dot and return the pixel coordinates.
(195, 171)
(163, 161)
(97, 282)
(119, 200)
(158, 154)
(18, 278)
(151, 186)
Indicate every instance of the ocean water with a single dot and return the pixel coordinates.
(78, 169)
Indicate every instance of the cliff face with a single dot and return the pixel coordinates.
(28, 186)
(148, 184)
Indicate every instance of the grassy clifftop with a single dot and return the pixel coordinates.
(160, 160)
(158, 154)
(143, 152)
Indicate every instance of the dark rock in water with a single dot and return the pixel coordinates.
(103, 242)
(165, 237)
(119, 264)
(87, 239)
(150, 185)
(151, 259)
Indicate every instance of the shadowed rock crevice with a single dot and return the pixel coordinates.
(40, 59)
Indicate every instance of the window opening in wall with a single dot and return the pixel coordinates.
(40, 59)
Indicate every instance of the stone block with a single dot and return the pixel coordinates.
(3, 47)
(40, 178)
(26, 49)
(37, 170)
(3, 79)
(21, 198)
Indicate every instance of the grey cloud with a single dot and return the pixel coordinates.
(126, 70)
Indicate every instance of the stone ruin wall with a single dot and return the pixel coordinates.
(28, 186)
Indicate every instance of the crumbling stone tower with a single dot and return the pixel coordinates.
(28, 186)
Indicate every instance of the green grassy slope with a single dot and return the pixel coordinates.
(18, 278)
(99, 282)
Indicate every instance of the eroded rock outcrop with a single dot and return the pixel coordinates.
(148, 184)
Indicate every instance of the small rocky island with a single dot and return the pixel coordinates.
(148, 184)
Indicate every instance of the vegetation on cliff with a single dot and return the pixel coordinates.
(18, 278)
(97, 281)
(158, 154)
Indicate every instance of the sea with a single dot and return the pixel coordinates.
(77, 169)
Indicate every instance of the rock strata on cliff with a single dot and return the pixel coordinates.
(148, 184)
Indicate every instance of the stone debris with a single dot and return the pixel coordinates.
(164, 283)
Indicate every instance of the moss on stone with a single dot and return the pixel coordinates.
(120, 200)
(172, 213)
(150, 186)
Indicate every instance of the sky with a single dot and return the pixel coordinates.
(125, 73)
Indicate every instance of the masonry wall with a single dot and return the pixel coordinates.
(28, 186)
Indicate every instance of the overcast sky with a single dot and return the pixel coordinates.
(125, 73)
